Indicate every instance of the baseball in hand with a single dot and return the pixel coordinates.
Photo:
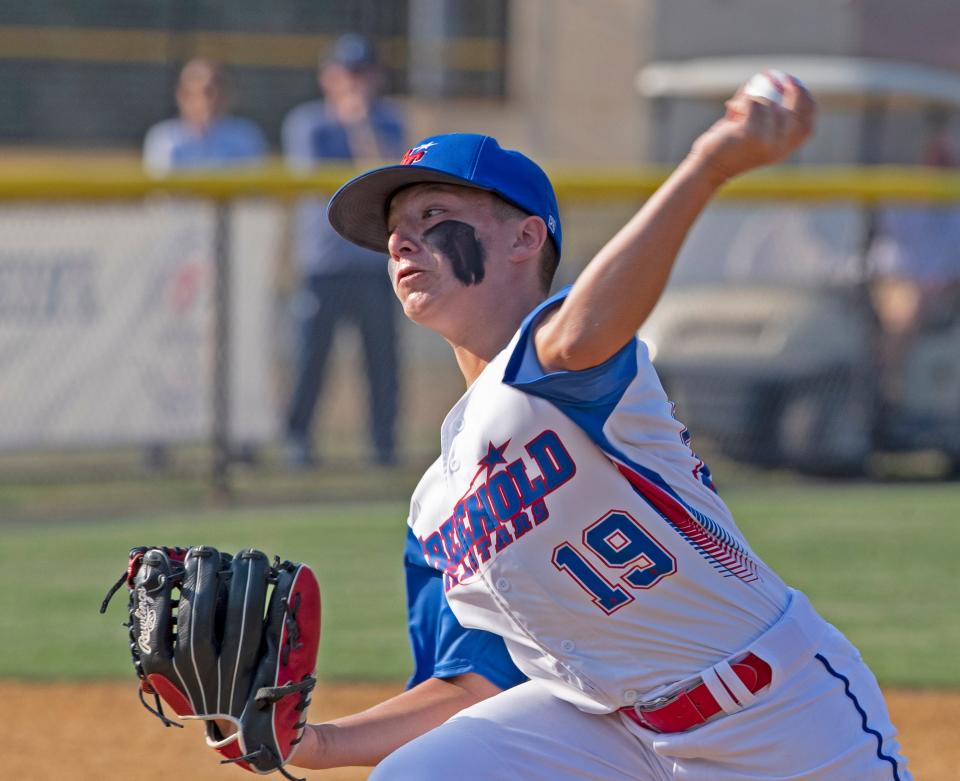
(769, 84)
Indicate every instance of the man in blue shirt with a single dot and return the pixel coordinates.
(340, 281)
(204, 135)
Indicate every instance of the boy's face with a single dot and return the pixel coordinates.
(446, 245)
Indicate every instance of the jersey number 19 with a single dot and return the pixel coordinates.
(620, 542)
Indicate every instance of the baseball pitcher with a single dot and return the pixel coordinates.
(582, 604)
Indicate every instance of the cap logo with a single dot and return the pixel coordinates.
(416, 154)
(552, 224)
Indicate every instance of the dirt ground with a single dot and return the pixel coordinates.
(99, 732)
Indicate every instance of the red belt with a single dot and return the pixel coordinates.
(696, 705)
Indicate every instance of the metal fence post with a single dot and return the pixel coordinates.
(220, 429)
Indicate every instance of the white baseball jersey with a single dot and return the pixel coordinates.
(569, 515)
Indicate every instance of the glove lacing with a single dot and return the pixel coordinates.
(269, 695)
(133, 566)
(264, 751)
(265, 696)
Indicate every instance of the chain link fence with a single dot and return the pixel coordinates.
(154, 335)
(145, 331)
(98, 75)
(782, 346)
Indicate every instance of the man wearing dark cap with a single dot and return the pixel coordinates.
(568, 524)
(338, 280)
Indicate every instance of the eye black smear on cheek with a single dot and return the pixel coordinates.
(458, 242)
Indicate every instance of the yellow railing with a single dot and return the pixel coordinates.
(93, 181)
(161, 46)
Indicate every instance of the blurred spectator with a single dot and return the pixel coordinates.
(915, 262)
(204, 136)
(338, 280)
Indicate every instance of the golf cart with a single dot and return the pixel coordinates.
(768, 337)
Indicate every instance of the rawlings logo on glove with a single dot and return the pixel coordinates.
(147, 617)
(226, 638)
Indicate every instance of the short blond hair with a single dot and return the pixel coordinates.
(549, 257)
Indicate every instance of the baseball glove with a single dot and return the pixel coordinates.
(226, 639)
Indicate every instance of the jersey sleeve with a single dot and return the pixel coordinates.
(255, 145)
(442, 648)
(391, 128)
(587, 396)
(158, 149)
(296, 134)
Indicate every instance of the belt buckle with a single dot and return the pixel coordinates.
(668, 697)
(656, 703)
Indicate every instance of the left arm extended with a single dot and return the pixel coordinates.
(621, 285)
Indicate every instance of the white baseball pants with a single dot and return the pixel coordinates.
(827, 723)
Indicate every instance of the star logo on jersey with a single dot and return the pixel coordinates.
(498, 509)
(494, 457)
(416, 154)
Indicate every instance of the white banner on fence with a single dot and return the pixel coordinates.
(106, 323)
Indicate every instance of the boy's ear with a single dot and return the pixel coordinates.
(530, 235)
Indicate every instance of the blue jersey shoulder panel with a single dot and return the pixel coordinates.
(442, 648)
(588, 396)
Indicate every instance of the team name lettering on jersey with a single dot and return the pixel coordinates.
(506, 505)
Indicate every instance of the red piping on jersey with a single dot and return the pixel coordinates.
(734, 561)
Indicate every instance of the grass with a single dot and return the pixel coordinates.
(53, 576)
(877, 560)
(115, 485)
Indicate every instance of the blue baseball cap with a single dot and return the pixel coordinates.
(358, 210)
(354, 52)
